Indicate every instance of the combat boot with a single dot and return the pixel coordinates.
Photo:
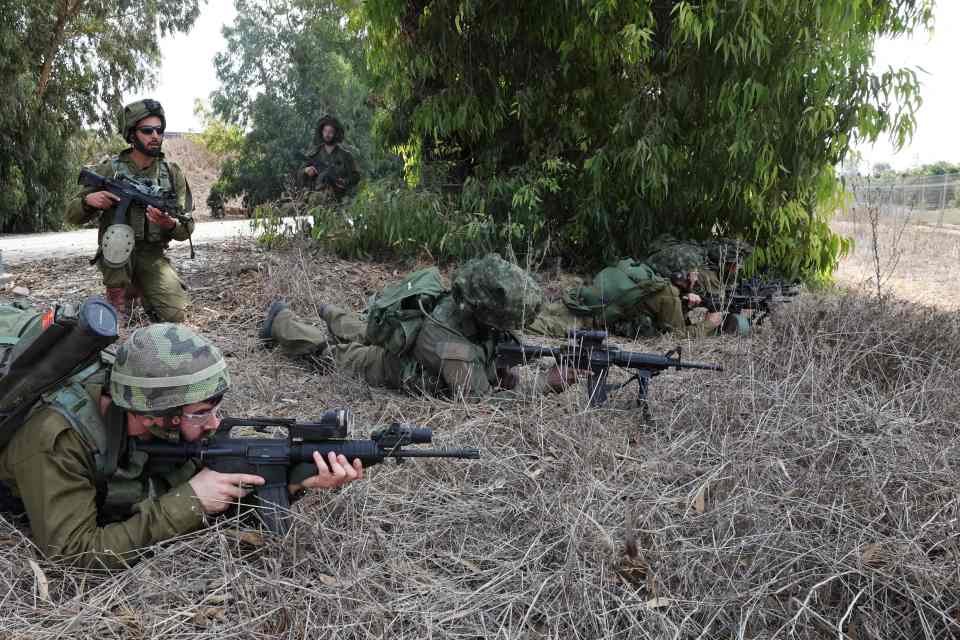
(266, 328)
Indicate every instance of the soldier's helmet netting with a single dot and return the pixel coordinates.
(166, 366)
(723, 251)
(137, 111)
(672, 256)
(497, 293)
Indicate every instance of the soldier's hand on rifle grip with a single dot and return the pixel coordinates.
(311, 171)
(332, 474)
(101, 200)
(693, 299)
(216, 491)
(160, 218)
(560, 378)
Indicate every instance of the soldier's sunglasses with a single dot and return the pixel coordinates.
(200, 417)
(149, 131)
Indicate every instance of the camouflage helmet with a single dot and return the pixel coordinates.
(137, 111)
(498, 294)
(165, 366)
(721, 251)
(670, 256)
(337, 127)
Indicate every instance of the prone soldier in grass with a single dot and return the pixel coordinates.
(417, 335)
(92, 498)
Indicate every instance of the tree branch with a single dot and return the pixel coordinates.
(69, 10)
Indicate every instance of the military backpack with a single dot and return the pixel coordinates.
(615, 292)
(395, 315)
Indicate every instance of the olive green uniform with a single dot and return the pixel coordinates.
(50, 465)
(659, 312)
(148, 270)
(339, 164)
(452, 355)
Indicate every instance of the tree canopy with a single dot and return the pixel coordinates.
(285, 65)
(647, 116)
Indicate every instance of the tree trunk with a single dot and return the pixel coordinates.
(68, 10)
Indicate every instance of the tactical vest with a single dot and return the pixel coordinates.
(143, 229)
(120, 481)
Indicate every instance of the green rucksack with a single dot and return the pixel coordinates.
(395, 315)
(41, 351)
(16, 323)
(615, 292)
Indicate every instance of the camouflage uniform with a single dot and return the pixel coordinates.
(89, 500)
(337, 164)
(628, 299)
(455, 350)
(148, 272)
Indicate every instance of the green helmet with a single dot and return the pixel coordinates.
(165, 366)
(498, 294)
(670, 256)
(723, 251)
(137, 111)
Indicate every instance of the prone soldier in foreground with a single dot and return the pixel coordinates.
(134, 232)
(92, 498)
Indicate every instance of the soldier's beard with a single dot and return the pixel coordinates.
(155, 152)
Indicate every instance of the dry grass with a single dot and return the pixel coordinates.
(807, 492)
(918, 262)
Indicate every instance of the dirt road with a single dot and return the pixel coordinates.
(21, 248)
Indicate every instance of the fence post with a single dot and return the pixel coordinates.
(943, 201)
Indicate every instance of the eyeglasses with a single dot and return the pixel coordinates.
(149, 131)
(201, 417)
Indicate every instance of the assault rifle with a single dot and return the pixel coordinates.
(763, 300)
(130, 191)
(326, 177)
(588, 351)
(272, 458)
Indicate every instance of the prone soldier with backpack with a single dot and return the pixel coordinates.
(638, 299)
(417, 335)
(69, 417)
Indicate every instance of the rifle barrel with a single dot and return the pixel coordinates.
(469, 453)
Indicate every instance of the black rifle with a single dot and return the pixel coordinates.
(588, 351)
(129, 191)
(272, 458)
(762, 303)
(326, 176)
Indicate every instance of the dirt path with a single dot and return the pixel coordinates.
(21, 248)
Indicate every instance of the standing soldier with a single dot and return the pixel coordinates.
(331, 170)
(147, 271)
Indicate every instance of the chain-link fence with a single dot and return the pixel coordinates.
(926, 199)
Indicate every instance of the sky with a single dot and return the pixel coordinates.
(187, 73)
(938, 134)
